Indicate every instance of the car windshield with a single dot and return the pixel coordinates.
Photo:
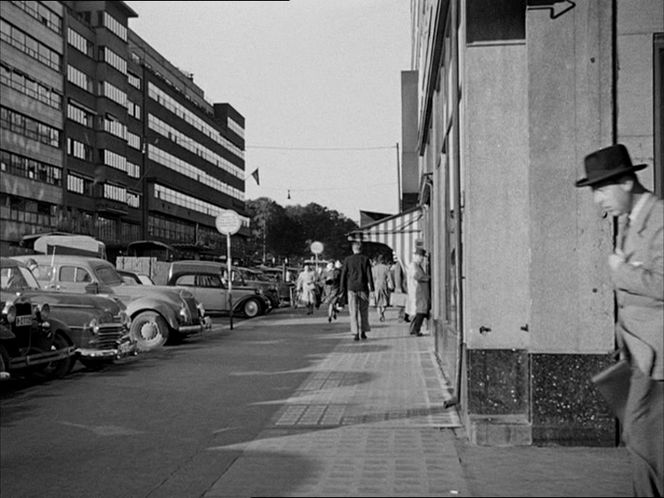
(107, 275)
(15, 278)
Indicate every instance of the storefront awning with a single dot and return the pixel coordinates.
(399, 232)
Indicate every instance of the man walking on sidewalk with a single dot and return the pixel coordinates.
(418, 292)
(357, 283)
(637, 271)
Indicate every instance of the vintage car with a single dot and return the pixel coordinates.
(207, 281)
(250, 277)
(133, 278)
(98, 325)
(158, 313)
(31, 343)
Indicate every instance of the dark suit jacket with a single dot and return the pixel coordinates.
(356, 274)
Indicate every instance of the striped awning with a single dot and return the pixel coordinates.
(399, 232)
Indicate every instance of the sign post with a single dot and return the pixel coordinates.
(316, 248)
(228, 222)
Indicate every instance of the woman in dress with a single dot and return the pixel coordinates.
(306, 287)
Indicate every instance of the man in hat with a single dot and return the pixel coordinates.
(636, 268)
(418, 292)
(357, 282)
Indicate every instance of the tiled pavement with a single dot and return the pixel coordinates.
(369, 420)
(366, 422)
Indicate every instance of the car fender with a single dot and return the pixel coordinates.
(166, 310)
(62, 327)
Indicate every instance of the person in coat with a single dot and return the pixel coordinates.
(382, 283)
(418, 292)
(331, 289)
(636, 268)
(356, 284)
(306, 287)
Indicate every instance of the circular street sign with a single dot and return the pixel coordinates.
(228, 222)
(316, 247)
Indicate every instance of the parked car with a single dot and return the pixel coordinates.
(132, 278)
(31, 343)
(158, 313)
(207, 281)
(98, 325)
(250, 277)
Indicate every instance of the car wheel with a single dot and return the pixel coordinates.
(4, 364)
(59, 368)
(251, 308)
(149, 330)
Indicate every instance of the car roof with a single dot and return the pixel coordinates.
(196, 263)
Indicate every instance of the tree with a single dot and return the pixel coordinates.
(288, 232)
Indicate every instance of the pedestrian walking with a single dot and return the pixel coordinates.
(418, 292)
(382, 284)
(399, 295)
(332, 289)
(306, 286)
(356, 284)
(636, 268)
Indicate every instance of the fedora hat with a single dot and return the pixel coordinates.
(420, 251)
(607, 163)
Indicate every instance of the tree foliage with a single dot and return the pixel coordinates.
(278, 233)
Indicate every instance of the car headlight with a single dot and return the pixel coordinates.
(201, 309)
(184, 313)
(10, 312)
(125, 319)
(43, 311)
(94, 326)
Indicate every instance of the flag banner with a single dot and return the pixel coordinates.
(255, 175)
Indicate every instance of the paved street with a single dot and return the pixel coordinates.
(283, 405)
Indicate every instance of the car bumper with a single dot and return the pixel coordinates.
(126, 347)
(206, 323)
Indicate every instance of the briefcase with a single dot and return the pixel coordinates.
(613, 383)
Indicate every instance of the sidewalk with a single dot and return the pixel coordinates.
(370, 420)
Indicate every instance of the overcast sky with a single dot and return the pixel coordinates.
(307, 75)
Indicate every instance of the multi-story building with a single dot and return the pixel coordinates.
(512, 96)
(102, 135)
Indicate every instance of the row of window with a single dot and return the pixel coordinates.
(79, 78)
(26, 167)
(113, 59)
(28, 86)
(160, 227)
(176, 164)
(113, 92)
(79, 150)
(134, 80)
(42, 13)
(133, 140)
(80, 115)
(179, 110)
(30, 211)
(192, 145)
(116, 161)
(28, 127)
(115, 127)
(30, 46)
(115, 26)
(79, 42)
(236, 127)
(184, 200)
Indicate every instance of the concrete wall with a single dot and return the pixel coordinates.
(570, 115)
(636, 23)
(496, 196)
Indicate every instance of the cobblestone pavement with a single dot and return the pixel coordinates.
(369, 420)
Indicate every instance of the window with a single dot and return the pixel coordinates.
(79, 42)
(79, 78)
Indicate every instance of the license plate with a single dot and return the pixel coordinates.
(23, 321)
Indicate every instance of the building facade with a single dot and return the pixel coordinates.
(511, 96)
(102, 135)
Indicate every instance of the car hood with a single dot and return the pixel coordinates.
(173, 294)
